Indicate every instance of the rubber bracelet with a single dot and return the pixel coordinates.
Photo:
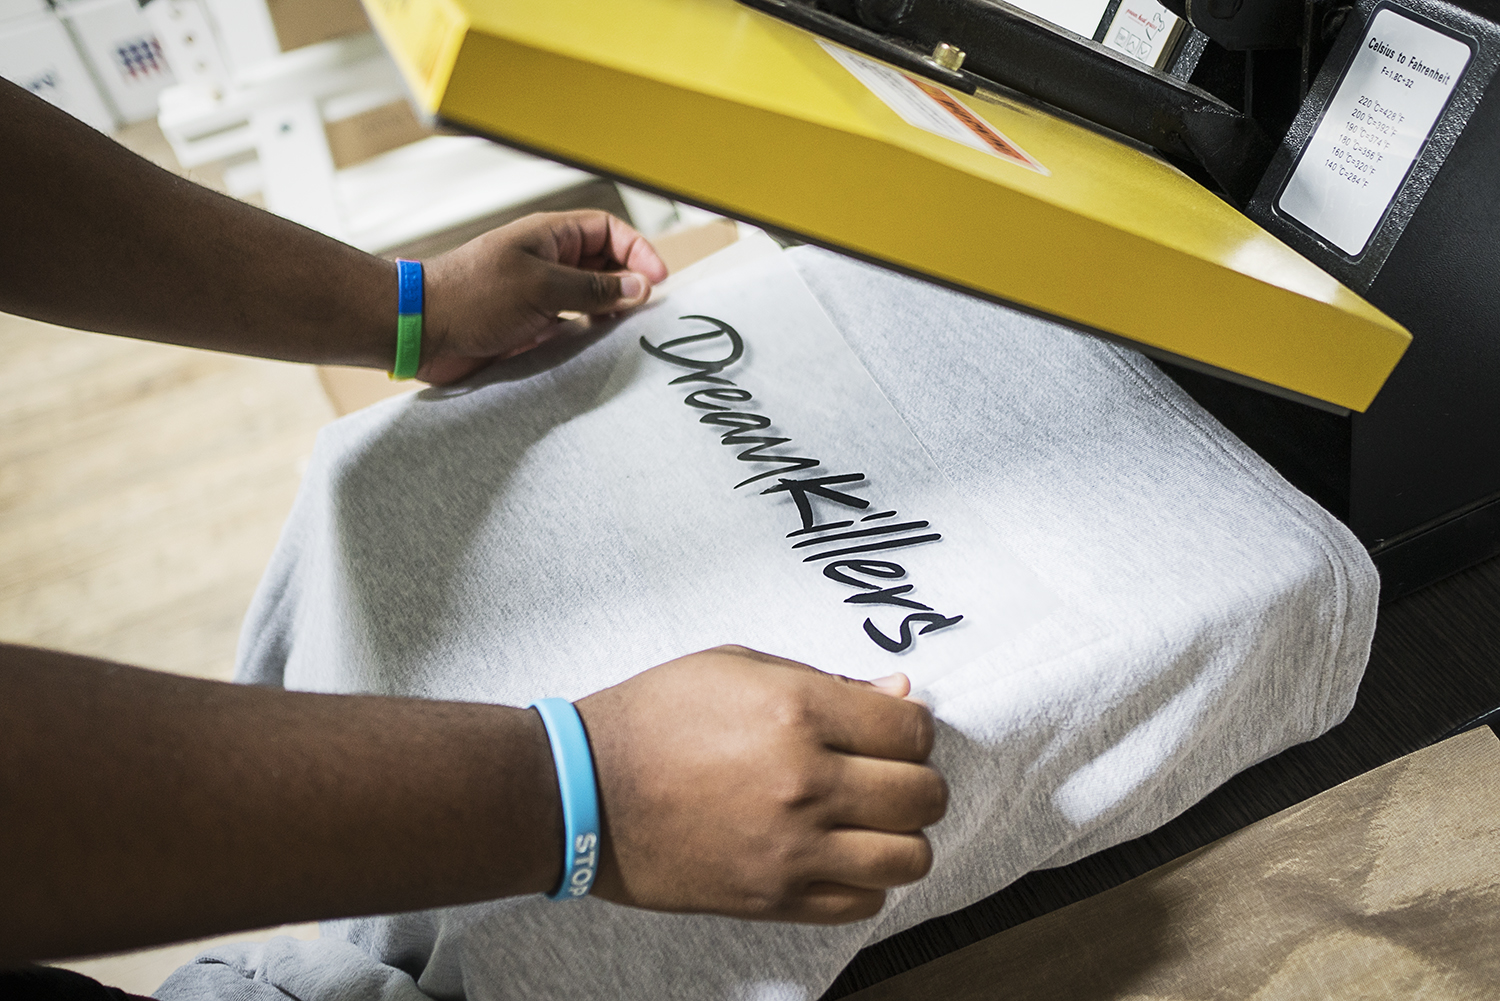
(408, 319)
(574, 763)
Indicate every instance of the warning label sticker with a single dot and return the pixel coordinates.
(931, 108)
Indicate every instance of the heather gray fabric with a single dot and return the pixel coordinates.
(1210, 615)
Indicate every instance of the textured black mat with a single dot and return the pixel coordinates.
(1434, 668)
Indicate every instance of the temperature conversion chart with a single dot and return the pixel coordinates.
(1376, 125)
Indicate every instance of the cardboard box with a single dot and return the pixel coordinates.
(37, 53)
(370, 133)
(123, 51)
(307, 22)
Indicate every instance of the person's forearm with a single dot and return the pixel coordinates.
(98, 238)
(142, 807)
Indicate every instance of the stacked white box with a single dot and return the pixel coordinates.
(12, 9)
(37, 52)
(121, 45)
(1145, 31)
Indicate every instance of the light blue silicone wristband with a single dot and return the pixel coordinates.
(574, 763)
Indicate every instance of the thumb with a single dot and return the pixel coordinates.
(569, 289)
(893, 684)
(897, 685)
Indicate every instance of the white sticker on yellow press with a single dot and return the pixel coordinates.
(929, 107)
(1375, 127)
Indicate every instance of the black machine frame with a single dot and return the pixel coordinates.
(1239, 101)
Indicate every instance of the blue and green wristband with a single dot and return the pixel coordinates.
(408, 319)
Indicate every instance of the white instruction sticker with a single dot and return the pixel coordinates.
(1144, 30)
(928, 107)
(1377, 123)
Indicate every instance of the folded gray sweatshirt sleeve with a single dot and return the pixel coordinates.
(480, 543)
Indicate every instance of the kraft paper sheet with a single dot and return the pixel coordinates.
(1385, 886)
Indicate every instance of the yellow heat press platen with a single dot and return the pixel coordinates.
(721, 105)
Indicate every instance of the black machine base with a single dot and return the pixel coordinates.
(1312, 449)
(1417, 476)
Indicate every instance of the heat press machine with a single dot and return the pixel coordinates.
(1254, 192)
(1292, 205)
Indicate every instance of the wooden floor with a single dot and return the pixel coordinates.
(142, 488)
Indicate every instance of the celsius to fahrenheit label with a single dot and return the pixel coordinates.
(1377, 123)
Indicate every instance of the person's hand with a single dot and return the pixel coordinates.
(500, 293)
(739, 783)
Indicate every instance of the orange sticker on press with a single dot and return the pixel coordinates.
(928, 107)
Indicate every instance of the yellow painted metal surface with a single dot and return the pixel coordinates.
(724, 106)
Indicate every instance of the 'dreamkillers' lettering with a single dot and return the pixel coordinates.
(844, 541)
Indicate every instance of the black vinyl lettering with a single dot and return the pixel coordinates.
(704, 371)
(737, 423)
(819, 528)
(819, 486)
(875, 547)
(887, 596)
(935, 622)
(726, 395)
(862, 533)
(788, 463)
(882, 569)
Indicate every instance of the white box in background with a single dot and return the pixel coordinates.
(1081, 17)
(119, 42)
(10, 9)
(38, 53)
(187, 37)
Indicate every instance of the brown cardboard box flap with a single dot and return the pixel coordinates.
(306, 22)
